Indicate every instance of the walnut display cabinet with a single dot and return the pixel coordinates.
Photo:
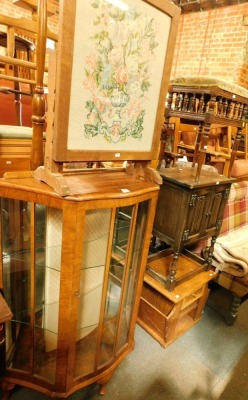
(72, 272)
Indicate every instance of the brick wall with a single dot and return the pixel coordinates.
(213, 43)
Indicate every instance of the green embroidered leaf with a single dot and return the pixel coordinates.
(107, 138)
(145, 85)
(95, 5)
(90, 130)
(89, 105)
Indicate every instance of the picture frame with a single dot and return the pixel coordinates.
(112, 74)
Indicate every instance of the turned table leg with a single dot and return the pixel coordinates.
(233, 311)
(170, 283)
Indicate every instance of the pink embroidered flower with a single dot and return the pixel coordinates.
(91, 61)
(89, 83)
(99, 104)
(122, 75)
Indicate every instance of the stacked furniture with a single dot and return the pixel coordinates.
(175, 287)
(207, 103)
(190, 207)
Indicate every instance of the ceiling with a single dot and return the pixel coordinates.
(188, 6)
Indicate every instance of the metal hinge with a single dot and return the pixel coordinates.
(227, 191)
(219, 223)
(186, 235)
(193, 200)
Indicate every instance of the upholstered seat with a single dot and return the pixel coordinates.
(240, 170)
(200, 82)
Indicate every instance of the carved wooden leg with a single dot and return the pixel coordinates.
(202, 151)
(234, 151)
(197, 144)
(209, 256)
(233, 312)
(153, 243)
(18, 103)
(170, 283)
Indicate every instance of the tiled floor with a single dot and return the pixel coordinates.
(208, 362)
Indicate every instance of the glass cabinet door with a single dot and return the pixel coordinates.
(113, 243)
(15, 222)
(31, 243)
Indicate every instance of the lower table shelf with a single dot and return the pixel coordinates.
(167, 315)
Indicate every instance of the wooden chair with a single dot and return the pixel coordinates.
(207, 103)
(34, 64)
(22, 49)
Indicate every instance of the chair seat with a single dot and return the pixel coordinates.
(15, 132)
(240, 169)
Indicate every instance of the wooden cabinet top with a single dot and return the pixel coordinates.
(185, 177)
(84, 186)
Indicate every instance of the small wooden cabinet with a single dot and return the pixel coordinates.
(188, 211)
(165, 314)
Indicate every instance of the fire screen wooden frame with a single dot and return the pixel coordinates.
(113, 69)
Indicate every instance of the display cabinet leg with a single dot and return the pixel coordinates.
(102, 382)
(102, 390)
(5, 395)
(6, 390)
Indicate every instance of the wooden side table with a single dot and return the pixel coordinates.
(188, 211)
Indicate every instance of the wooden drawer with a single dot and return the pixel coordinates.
(192, 297)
